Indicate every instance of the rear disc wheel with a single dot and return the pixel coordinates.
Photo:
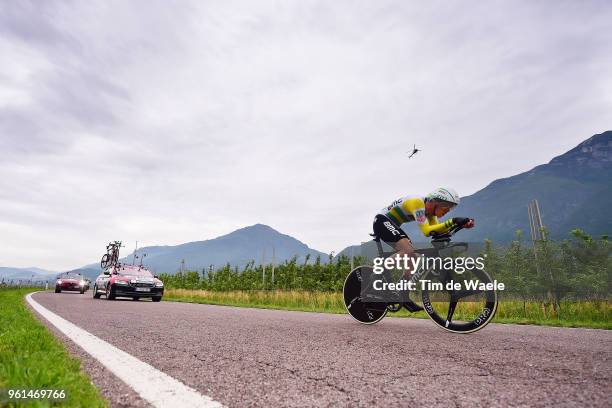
(366, 313)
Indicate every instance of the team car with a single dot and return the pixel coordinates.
(70, 281)
(133, 281)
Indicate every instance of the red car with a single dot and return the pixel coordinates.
(128, 281)
(72, 282)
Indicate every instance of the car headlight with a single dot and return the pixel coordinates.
(82, 283)
(59, 282)
(120, 282)
(159, 284)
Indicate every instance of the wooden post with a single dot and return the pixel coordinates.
(538, 236)
(273, 263)
(263, 271)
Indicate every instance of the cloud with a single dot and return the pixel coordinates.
(141, 121)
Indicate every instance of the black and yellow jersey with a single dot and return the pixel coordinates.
(412, 208)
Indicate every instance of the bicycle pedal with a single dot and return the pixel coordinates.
(394, 307)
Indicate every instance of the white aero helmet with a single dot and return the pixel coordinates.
(444, 194)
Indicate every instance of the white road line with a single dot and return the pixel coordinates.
(152, 385)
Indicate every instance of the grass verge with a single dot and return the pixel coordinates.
(586, 314)
(32, 358)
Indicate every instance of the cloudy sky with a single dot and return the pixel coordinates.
(141, 120)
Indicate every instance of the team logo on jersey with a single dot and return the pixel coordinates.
(420, 216)
(393, 204)
(391, 228)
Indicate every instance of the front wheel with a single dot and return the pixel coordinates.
(57, 290)
(366, 313)
(464, 309)
(110, 292)
(96, 295)
(156, 298)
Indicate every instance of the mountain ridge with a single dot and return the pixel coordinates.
(237, 248)
(8, 273)
(571, 189)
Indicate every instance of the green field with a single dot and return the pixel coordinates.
(32, 358)
(588, 314)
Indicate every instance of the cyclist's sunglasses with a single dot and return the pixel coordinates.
(446, 204)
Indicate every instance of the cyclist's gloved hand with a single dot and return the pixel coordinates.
(463, 222)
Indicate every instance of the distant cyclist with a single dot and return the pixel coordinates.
(425, 211)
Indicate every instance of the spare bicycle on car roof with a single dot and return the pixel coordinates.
(111, 257)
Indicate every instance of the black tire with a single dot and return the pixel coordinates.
(366, 313)
(96, 295)
(472, 309)
(156, 298)
(136, 298)
(110, 292)
(82, 290)
(58, 290)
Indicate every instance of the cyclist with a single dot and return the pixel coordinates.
(425, 211)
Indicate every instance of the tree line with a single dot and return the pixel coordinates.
(579, 268)
(575, 268)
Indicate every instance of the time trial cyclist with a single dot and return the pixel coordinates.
(425, 211)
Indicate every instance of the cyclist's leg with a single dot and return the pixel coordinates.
(404, 247)
(387, 230)
(391, 233)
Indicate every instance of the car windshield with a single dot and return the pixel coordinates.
(70, 276)
(135, 272)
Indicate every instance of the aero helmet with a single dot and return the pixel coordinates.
(444, 194)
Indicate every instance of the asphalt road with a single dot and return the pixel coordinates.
(266, 358)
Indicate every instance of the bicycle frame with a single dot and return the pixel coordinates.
(434, 251)
(368, 307)
(111, 258)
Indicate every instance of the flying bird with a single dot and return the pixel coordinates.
(414, 151)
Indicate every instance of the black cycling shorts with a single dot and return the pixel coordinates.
(387, 230)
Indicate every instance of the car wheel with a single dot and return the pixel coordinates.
(156, 298)
(110, 292)
(82, 290)
(96, 295)
(57, 289)
(135, 298)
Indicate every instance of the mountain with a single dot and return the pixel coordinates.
(88, 273)
(10, 273)
(352, 250)
(573, 191)
(237, 248)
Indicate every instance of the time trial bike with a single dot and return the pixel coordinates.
(463, 309)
